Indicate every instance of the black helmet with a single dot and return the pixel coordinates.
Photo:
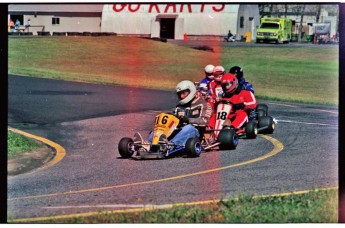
(236, 70)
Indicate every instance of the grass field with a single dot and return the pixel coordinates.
(17, 144)
(308, 75)
(319, 206)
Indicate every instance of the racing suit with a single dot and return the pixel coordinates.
(204, 89)
(216, 92)
(205, 83)
(197, 115)
(243, 101)
(247, 86)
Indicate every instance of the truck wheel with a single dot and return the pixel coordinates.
(267, 121)
(124, 147)
(193, 147)
(228, 139)
(251, 130)
(258, 40)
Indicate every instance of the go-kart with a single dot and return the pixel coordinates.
(166, 125)
(222, 132)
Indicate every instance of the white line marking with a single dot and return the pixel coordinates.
(112, 206)
(298, 122)
(286, 105)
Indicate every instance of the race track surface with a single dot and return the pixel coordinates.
(89, 120)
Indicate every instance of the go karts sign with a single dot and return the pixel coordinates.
(168, 8)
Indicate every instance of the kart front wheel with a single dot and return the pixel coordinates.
(251, 130)
(267, 124)
(228, 139)
(125, 147)
(193, 147)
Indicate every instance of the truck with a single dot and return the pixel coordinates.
(274, 29)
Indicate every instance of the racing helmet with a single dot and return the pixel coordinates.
(229, 83)
(218, 72)
(183, 87)
(237, 71)
(209, 71)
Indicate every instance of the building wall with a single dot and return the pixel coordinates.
(67, 24)
(192, 19)
(251, 20)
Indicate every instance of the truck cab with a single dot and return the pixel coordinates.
(274, 29)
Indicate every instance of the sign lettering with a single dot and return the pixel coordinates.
(168, 8)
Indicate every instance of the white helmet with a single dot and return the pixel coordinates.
(184, 86)
(218, 72)
(209, 71)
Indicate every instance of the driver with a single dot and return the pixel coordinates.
(215, 85)
(245, 85)
(238, 72)
(193, 111)
(241, 100)
(205, 82)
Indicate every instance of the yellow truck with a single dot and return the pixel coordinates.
(274, 29)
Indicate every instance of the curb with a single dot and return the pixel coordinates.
(60, 151)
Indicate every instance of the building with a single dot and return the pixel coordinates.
(58, 17)
(171, 21)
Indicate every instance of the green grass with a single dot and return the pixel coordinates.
(308, 75)
(314, 207)
(18, 144)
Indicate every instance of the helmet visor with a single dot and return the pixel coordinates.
(227, 86)
(183, 94)
(218, 76)
(209, 75)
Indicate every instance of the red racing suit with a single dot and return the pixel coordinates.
(238, 117)
(215, 91)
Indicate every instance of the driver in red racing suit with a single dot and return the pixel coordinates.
(241, 100)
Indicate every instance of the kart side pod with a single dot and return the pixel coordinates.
(164, 124)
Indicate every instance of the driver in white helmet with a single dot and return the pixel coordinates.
(196, 112)
(193, 111)
(205, 83)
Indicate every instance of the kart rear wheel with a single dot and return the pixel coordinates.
(261, 113)
(193, 147)
(268, 123)
(124, 147)
(251, 130)
(228, 139)
(263, 107)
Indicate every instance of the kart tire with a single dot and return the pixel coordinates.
(268, 123)
(228, 139)
(251, 130)
(261, 113)
(193, 147)
(124, 147)
(263, 107)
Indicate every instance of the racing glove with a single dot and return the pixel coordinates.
(238, 106)
(184, 119)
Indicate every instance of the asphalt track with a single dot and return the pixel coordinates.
(88, 121)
